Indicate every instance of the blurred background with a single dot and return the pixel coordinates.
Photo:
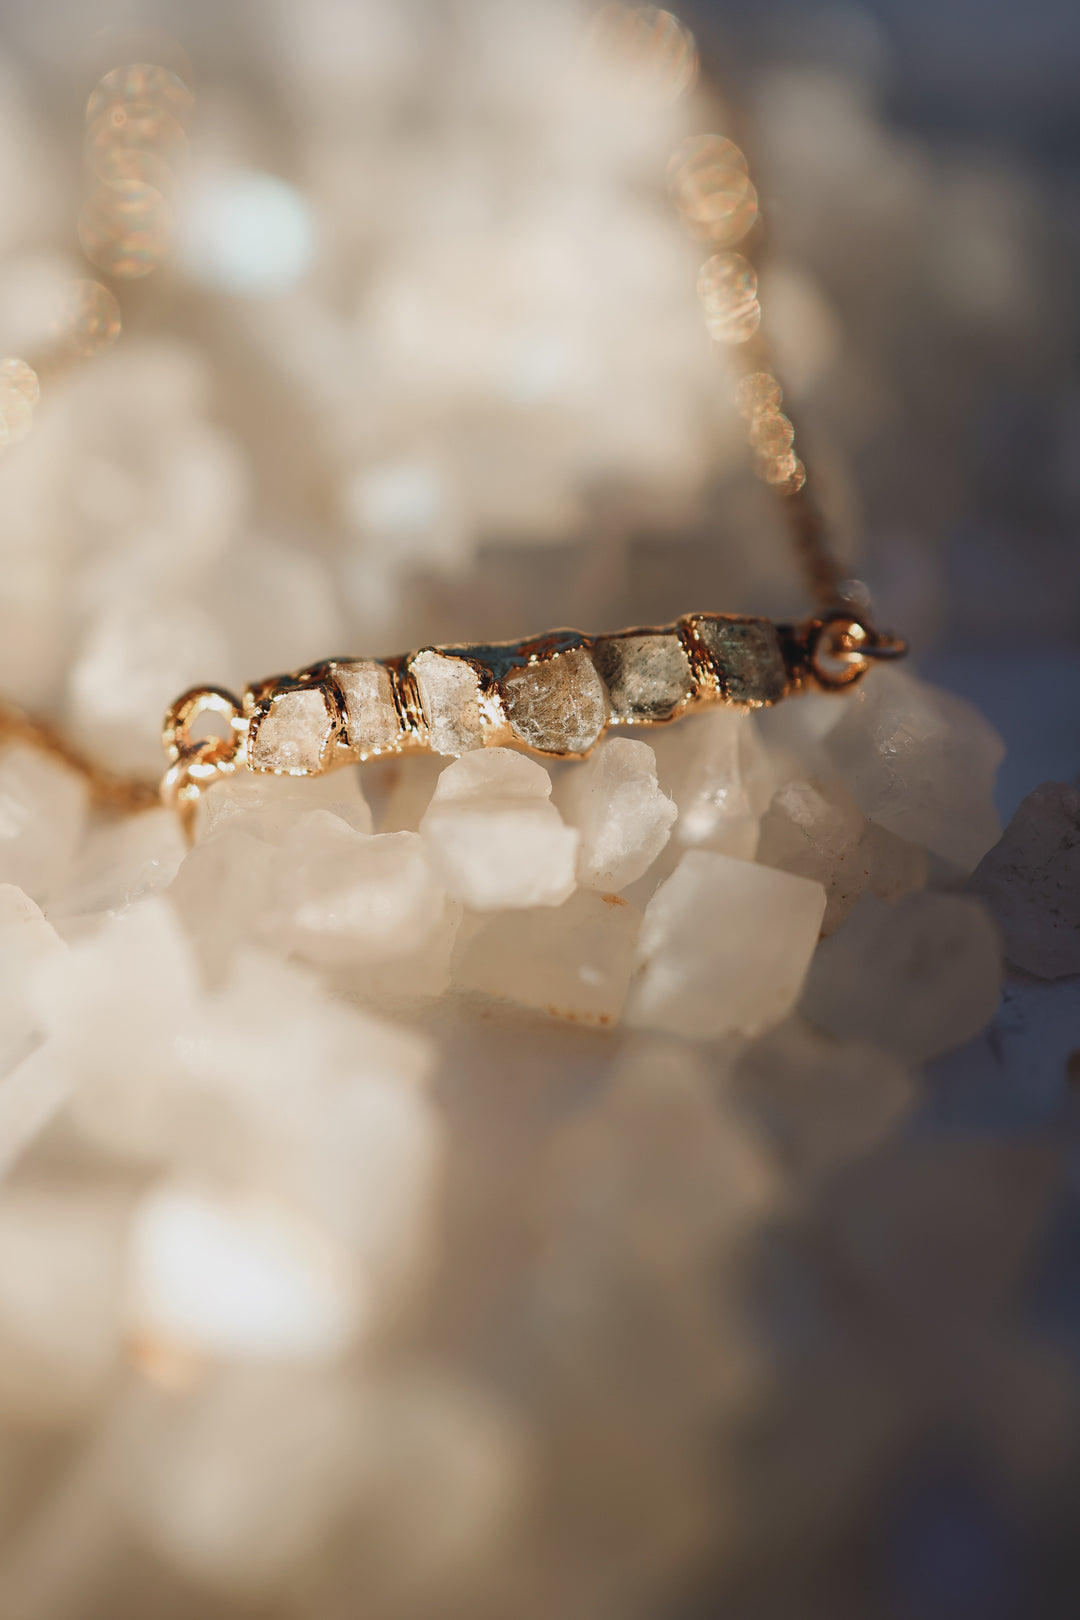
(411, 352)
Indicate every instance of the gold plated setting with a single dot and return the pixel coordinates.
(553, 696)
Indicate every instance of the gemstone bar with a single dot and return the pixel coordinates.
(554, 695)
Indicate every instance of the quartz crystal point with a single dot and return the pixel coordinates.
(1031, 882)
(919, 976)
(922, 763)
(724, 947)
(573, 961)
(624, 819)
(495, 839)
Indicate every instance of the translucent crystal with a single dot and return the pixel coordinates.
(819, 1101)
(557, 705)
(449, 691)
(922, 763)
(624, 819)
(220, 894)
(721, 779)
(291, 737)
(919, 976)
(120, 862)
(573, 961)
(647, 677)
(373, 721)
(494, 838)
(746, 656)
(43, 807)
(818, 831)
(209, 1272)
(266, 806)
(26, 939)
(1031, 882)
(724, 946)
(346, 898)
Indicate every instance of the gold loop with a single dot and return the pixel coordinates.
(852, 645)
(176, 731)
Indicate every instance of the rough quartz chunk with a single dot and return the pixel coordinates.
(724, 947)
(716, 768)
(558, 705)
(573, 961)
(292, 736)
(746, 656)
(120, 862)
(920, 762)
(919, 976)
(494, 838)
(373, 724)
(817, 830)
(266, 806)
(449, 691)
(648, 677)
(1031, 882)
(43, 808)
(624, 819)
(211, 1272)
(26, 940)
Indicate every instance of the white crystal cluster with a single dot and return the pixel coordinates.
(480, 1188)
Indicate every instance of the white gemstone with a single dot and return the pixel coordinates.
(624, 819)
(214, 1272)
(373, 721)
(1031, 882)
(43, 808)
(922, 763)
(266, 806)
(449, 691)
(817, 830)
(919, 976)
(494, 837)
(220, 894)
(724, 946)
(292, 736)
(122, 861)
(721, 778)
(573, 961)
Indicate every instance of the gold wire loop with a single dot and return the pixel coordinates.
(195, 764)
(200, 700)
(841, 648)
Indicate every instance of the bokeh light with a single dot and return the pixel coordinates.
(709, 184)
(134, 140)
(655, 54)
(143, 84)
(727, 287)
(16, 376)
(124, 229)
(90, 319)
(758, 391)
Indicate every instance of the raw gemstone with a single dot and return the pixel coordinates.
(494, 838)
(821, 1102)
(558, 705)
(43, 808)
(120, 862)
(373, 723)
(921, 762)
(624, 819)
(346, 898)
(919, 976)
(266, 806)
(293, 734)
(573, 961)
(721, 779)
(449, 691)
(1031, 882)
(817, 830)
(746, 657)
(213, 1272)
(220, 893)
(648, 677)
(724, 947)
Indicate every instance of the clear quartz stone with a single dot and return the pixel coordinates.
(449, 691)
(293, 734)
(746, 656)
(624, 818)
(373, 724)
(724, 947)
(648, 677)
(558, 705)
